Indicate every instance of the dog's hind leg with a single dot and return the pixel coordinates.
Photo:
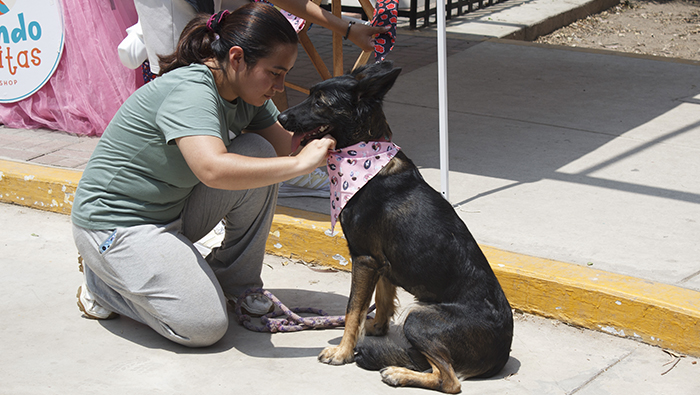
(385, 300)
(442, 378)
(364, 280)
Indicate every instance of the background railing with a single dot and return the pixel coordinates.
(416, 10)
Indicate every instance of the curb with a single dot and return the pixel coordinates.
(546, 26)
(523, 27)
(40, 187)
(654, 313)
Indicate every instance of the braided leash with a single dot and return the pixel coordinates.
(292, 322)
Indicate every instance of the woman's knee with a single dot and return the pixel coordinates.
(199, 331)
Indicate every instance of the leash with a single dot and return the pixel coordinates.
(292, 322)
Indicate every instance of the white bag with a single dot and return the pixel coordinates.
(132, 50)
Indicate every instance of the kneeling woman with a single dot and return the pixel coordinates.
(198, 144)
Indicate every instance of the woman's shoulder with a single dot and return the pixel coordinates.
(195, 73)
(194, 81)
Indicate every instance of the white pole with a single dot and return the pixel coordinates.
(442, 101)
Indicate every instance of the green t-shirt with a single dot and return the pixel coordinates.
(136, 174)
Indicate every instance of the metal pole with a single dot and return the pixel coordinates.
(442, 101)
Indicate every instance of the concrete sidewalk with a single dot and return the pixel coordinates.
(49, 349)
(576, 170)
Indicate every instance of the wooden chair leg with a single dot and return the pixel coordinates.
(362, 59)
(313, 54)
(365, 55)
(337, 41)
(367, 8)
(296, 87)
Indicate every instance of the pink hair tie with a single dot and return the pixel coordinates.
(215, 20)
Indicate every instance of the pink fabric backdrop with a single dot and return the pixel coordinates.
(90, 83)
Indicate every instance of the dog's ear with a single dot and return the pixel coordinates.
(375, 80)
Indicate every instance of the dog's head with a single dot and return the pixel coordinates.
(348, 107)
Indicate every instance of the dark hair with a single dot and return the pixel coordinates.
(257, 28)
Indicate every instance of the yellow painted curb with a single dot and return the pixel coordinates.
(651, 312)
(41, 187)
(306, 236)
(654, 313)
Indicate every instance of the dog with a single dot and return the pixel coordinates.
(403, 233)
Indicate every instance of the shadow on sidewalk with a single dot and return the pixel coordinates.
(255, 344)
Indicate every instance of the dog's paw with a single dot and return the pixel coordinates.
(336, 356)
(376, 328)
(397, 376)
(393, 375)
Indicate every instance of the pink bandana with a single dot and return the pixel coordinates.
(350, 168)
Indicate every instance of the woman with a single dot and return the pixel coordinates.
(198, 144)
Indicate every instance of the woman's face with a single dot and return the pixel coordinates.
(261, 81)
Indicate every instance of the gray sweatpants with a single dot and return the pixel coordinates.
(154, 274)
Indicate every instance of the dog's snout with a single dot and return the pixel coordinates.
(282, 118)
(285, 118)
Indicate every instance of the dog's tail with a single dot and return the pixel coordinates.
(376, 353)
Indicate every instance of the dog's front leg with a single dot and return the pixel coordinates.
(364, 279)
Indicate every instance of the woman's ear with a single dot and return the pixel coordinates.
(236, 58)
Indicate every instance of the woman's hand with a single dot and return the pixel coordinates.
(315, 152)
(363, 35)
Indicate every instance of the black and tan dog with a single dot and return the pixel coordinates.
(403, 233)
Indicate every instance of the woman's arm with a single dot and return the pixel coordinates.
(361, 35)
(214, 166)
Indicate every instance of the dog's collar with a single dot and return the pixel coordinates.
(350, 168)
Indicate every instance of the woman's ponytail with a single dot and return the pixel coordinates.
(257, 28)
